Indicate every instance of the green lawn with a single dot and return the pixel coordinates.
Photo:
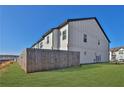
(86, 75)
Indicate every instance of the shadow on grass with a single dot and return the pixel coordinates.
(75, 68)
(82, 67)
(70, 69)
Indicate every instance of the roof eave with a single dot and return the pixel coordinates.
(102, 30)
(66, 22)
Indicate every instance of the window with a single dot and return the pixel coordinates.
(85, 38)
(64, 35)
(41, 45)
(48, 40)
(98, 58)
(98, 42)
(85, 52)
(121, 52)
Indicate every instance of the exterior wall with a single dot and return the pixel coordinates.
(89, 27)
(110, 56)
(75, 30)
(64, 43)
(40, 44)
(116, 55)
(36, 46)
(119, 56)
(44, 41)
(56, 39)
(42, 59)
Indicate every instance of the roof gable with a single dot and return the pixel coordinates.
(71, 20)
(102, 30)
(79, 19)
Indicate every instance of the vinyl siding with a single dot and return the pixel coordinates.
(56, 39)
(74, 40)
(44, 42)
(89, 27)
(119, 56)
(64, 43)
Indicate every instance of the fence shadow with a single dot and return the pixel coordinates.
(76, 68)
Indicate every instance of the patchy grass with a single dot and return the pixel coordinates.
(94, 75)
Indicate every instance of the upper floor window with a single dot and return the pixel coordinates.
(64, 35)
(98, 42)
(85, 52)
(48, 40)
(85, 38)
(41, 45)
(121, 52)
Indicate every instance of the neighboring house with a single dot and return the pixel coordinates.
(84, 35)
(8, 58)
(117, 54)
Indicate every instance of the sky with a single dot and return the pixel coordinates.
(22, 26)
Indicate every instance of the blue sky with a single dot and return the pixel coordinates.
(21, 26)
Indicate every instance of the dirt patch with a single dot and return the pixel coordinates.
(5, 64)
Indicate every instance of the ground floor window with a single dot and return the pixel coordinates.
(98, 58)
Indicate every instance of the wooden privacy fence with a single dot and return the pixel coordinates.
(32, 60)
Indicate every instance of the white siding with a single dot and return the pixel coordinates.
(110, 56)
(41, 42)
(89, 27)
(56, 39)
(49, 45)
(74, 40)
(36, 46)
(119, 56)
(64, 43)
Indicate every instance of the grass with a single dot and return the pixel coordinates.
(94, 75)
